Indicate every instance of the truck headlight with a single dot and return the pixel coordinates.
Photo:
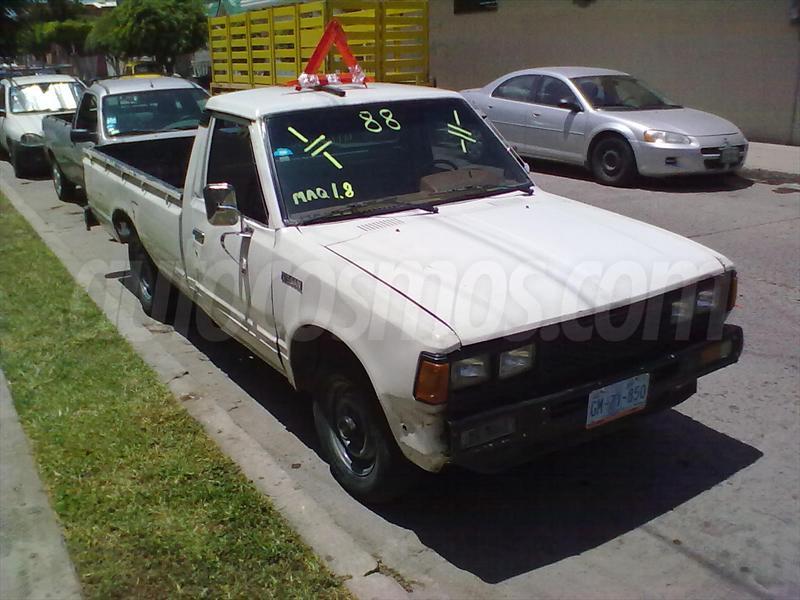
(469, 371)
(655, 136)
(518, 360)
(31, 139)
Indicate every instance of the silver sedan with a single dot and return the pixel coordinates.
(609, 121)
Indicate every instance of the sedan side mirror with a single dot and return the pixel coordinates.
(2, 112)
(569, 104)
(80, 136)
(221, 206)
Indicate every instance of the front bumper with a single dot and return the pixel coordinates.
(703, 156)
(519, 432)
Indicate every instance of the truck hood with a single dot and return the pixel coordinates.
(687, 121)
(497, 266)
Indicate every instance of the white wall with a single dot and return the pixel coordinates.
(737, 58)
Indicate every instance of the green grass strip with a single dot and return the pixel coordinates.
(150, 506)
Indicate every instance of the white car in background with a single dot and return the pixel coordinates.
(608, 121)
(24, 102)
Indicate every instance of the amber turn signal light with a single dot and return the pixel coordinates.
(432, 382)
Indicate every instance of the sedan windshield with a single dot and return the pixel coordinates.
(385, 157)
(45, 97)
(620, 92)
(152, 111)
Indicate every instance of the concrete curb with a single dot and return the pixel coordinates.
(335, 547)
(34, 562)
(773, 158)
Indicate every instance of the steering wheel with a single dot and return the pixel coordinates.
(188, 121)
(451, 166)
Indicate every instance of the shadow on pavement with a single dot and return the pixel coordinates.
(502, 525)
(674, 185)
(563, 504)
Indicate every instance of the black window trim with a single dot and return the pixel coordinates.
(213, 116)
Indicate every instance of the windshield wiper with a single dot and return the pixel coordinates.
(366, 210)
(476, 191)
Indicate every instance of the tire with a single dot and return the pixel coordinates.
(356, 440)
(613, 162)
(20, 172)
(155, 293)
(65, 189)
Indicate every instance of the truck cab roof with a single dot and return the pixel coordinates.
(259, 102)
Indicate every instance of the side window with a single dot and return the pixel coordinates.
(519, 88)
(87, 113)
(2, 96)
(551, 91)
(231, 161)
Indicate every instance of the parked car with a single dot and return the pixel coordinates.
(24, 102)
(116, 111)
(387, 252)
(612, 123)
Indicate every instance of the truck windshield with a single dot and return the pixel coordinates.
(152, 111)
(384, 157)
(45, 97)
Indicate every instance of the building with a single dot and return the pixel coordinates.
(737, 58)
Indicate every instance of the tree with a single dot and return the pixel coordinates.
(159, 28)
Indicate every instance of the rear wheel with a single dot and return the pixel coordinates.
(613, 162)
(65, 189)
(356, 440)
(155, 293)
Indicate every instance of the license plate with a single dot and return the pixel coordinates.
(617, 400)
(729, 155)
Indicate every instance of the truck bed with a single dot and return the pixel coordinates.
(165, 159)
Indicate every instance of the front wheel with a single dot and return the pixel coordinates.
(20, 171)
(356, 440)
(613, 162)
(65, 189)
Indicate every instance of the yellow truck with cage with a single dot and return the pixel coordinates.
(270, 46)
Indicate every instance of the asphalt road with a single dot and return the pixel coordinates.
(702, 501)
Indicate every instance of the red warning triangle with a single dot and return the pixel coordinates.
(332, 36)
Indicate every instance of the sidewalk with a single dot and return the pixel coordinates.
(34, 564)
(773, 158)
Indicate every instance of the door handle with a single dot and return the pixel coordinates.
(199, 236)
(535, 115)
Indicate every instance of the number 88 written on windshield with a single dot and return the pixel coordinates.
(374, 126)
(337, 191)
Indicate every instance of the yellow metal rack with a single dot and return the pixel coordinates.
(270, 46)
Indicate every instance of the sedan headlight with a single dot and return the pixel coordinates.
(469, 371)
(518, 360)
(655, 136)
(31, 139)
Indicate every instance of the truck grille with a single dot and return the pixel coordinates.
(594, 347)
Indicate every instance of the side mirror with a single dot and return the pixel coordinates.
(2, 112)
(80, 136)
(221, 206)
(569, 104)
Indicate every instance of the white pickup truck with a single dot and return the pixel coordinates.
(385, 250)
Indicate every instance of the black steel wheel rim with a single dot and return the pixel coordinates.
(352, 439)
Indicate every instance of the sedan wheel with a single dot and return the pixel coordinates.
(613, 162)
